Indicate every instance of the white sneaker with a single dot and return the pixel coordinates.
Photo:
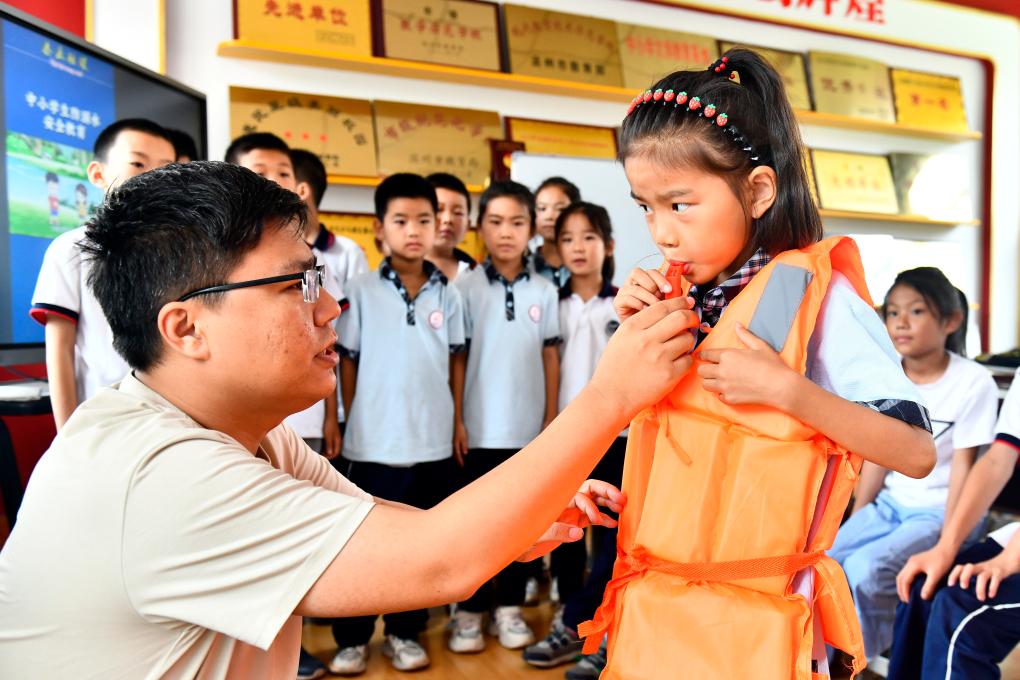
(511, 629)
(554, 591)
(350, 661)
(406, 655)
(466, 633)
(531, 594)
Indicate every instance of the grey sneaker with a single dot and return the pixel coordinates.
(560, 646)
(590, 667)
(511, 628)
(465, 633)
(406, 655)
(350, 661)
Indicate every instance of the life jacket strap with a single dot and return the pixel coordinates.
(635, 564)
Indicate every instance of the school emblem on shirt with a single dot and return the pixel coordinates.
(535, 312)
(436, 319)
(611, 327)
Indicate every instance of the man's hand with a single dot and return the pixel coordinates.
(582, 512)
(755, 375)
(646, 357)
(933, 563)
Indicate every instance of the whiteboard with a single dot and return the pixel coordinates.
(601, 182)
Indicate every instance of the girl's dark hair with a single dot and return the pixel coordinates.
(564, 185)
(598, 218)
(942, 297)
(756, 102)
(508, 189)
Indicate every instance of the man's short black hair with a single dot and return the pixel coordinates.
(403, 185)
(52, 177)
(254, 140)
(173, 230)
(184, 144)
(444, 180)
(308, 168)
(108, 137)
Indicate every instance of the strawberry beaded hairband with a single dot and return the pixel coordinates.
(707, 111)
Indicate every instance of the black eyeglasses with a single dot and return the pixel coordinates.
(311, 282)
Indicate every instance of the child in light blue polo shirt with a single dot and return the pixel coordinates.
(397, 338)
(511, 385)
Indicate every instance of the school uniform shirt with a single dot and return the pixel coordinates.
(344, 260)
(402, 413)
(1007, 431)
(558, 276)
(962, 405)
(586, 328)
(62, 290)
(464, 261)
(507, 324)
(148, 546)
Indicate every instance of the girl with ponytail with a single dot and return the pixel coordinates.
(738, 479)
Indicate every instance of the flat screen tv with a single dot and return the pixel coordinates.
(58, 93)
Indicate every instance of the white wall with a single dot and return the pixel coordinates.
(194, 29)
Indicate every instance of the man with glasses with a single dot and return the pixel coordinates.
(176, 529)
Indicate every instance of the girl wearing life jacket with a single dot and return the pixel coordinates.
(895, 516)
(738, 479)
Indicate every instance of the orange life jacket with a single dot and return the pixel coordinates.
(730, 510)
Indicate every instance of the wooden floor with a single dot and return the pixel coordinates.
(495, 663)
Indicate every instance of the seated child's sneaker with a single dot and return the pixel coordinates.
(350, 661)
(511, 629)
(406, 655)
(466, 632)
(589, 667)
(560, 646)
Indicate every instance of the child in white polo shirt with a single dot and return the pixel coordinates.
(584, 235)
(398, 338)
(80, 359)
(510, 391)
(320, 427)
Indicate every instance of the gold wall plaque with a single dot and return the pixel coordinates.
(359, 228)
(929, 100)
(340, 131)
(427, 139)
(851, 86)
(563, 46)
(328, 25)
(540, 136)
(790, 66)
(648, 54)
(854, 181)
(455, 32)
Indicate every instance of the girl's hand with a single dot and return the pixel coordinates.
(460, 442)
(581, 512)
(756, 375)
(987, 575)
(646, 357)
(644, 287)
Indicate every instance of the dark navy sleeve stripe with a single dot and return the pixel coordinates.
(552, 342)
(1008, 440)
(41, 310)
(909, 412)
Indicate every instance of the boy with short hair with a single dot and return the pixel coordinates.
(266, 155)
(80, 359)
(511, 386)
(454, 216)
(344, 259)
(399, 341)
